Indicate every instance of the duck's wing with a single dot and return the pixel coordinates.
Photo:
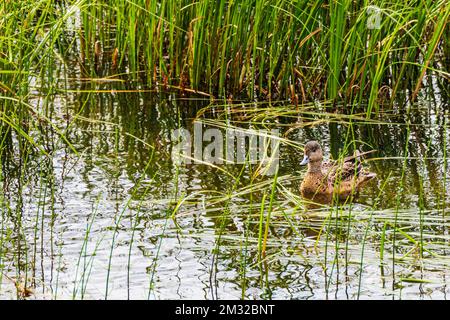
(344, 172)
(328, 165)
(347, 169)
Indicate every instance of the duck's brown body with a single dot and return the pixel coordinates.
(325, 179)
(315, 186)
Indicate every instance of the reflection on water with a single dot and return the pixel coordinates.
(121, 221)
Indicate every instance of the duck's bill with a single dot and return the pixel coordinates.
(305, 161)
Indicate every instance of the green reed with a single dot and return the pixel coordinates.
(274, 49)
(266, 49)
(87, 264)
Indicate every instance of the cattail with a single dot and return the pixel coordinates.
(97, 56)
(115, 58)
(82, 47)
(98, 49)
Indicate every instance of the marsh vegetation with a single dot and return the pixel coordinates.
(93, 205)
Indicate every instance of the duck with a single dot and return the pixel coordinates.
(324, 179)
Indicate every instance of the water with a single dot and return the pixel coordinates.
(120, 220)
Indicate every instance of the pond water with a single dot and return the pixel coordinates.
(121, 220)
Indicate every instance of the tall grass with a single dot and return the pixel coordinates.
(276, 49)
(259, 49)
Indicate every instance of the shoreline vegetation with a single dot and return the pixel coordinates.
(266, 50)
(94, 207)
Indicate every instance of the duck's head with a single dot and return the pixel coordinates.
(313, 153)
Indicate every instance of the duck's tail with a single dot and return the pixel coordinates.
(365, 177)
